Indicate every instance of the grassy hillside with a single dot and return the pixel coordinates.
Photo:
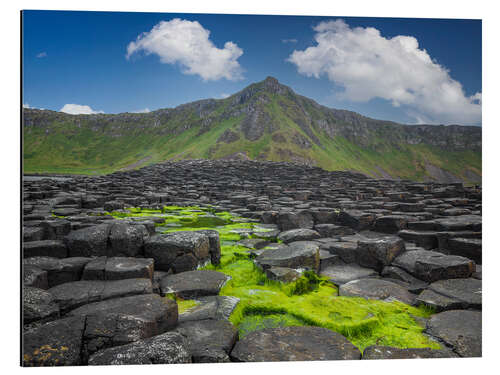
(264, 121)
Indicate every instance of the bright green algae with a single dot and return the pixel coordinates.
(310, 301)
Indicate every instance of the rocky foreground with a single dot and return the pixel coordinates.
(94, 285)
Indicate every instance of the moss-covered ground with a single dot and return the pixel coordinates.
(309, 301)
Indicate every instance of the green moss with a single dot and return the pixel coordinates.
(310, 300)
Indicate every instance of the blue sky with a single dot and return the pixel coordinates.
(373, 66)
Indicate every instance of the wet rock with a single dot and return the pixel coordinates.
(169, 347)
(459, 329)
(55, 343)
(192, 284)
(343, 273)
(300, 234)
(301, 254)
(432, 266)
(377, 289)
(388, 352)
(293, 344)
(209, 340)
(77, 293)
(118, 268)
(38, 305)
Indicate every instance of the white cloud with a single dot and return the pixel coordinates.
(187, 43)
(41, 55)
(369, 65)
(77, 109)
(26, 105)
(224, 95)
(289, 41)
(145, 110)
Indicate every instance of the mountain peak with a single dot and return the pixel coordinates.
(271, 84)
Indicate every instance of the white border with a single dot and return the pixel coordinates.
(380, 8)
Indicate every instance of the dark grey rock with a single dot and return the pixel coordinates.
(356, 219)
(347, 251)
(49, 248)
(379, 252)
(181, 251)
(192, 284)
(282, 274)
(460, 329)
(215, 249)
(427, 240)
(293, 344)
(38, 305)
(35, 277)
(210, 307)
(120, 321)
(301, 254)
(391, 223)
(55, 343)
(432, 266)
(167, 348)
(332, 230)
(376, 289)
(59, 271)
(88, 242)
(293, 220)
(466, 291)
(388, 352)
(300, 234)
(77, 293)
(343, 273)
(209, 340)
(438, 301)
(126, 240)
(118, 268)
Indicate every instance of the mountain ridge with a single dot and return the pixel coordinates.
(265, 121)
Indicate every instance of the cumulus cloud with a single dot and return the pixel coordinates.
(26, 105)
(187, 43)
(289, 41)
(77, 109)
(368, 65)
(224, 95)
(41, 55)
(145, 110)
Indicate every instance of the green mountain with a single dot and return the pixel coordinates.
(264, 121)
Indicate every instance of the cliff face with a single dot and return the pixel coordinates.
(266, 120)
